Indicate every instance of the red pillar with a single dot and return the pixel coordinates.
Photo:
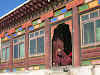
(26, 49)
(47, 44)
(76, 38)
(11, 56)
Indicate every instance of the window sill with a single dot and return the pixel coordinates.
(2, 62)
(18, 59)
(37, 55)
(91, 45)
(88, 45)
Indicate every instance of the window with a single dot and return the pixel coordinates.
(19, 50)
(90, 28)
(98, 30)
(94, 14)
(36, 43)
(85, 17)
(5, 51)
(33, 46)
(15, 51)
(88, 32)
(40, 42)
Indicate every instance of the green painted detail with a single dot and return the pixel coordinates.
(86, 63)
(98, 30)
(42, 24)
(57, 13)
(7, 57)
(3, 53)
(19, 69)
(42, 66)
(22, 50)
(1, 71)
(23, 31)
(35, 22)
(83, 7)
(17, 30)
(69, 13)
(2, 39)
(97, 34)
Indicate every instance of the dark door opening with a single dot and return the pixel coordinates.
(61, 46)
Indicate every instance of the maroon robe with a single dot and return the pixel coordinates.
(62, 59)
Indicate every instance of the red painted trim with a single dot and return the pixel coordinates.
(11, 56)
(27, 24)
(74, 4)
(3, 65)
(47, 15)
(90, 55)
(11, 31)
(2, 35)
(26, 46)
(76, 38)
(84, 51)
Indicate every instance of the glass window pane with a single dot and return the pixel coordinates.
(3, 53)
(41, 32)
(85, 17)
(22, 38)
(32, 47)
(5, 44)
(16, 51)
(15, 41)
(88, 33)
(31, 35)
(40, 42)
(7, 57)
(21, 48)
(8, 43)
(94, 14)
(36, 33)
(97, 30)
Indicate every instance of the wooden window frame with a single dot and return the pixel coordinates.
(18, 43)
(86, 21)
(5, 46)
(36, 37)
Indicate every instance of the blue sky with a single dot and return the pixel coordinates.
(8, 5)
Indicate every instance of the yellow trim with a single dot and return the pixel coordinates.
(36, 67)
(90, 58)
(93, 4)
(36, 26)
(19, 60)
(95, 61)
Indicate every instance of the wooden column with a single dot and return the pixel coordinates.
(11, 56)
(47, 44)
(76, 38)
(26, 49)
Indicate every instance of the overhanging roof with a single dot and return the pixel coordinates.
(27, 7)
(14, 9)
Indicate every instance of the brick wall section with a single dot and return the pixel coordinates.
(76, 38)
(47, 44)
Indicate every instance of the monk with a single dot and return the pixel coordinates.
(62, 46)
